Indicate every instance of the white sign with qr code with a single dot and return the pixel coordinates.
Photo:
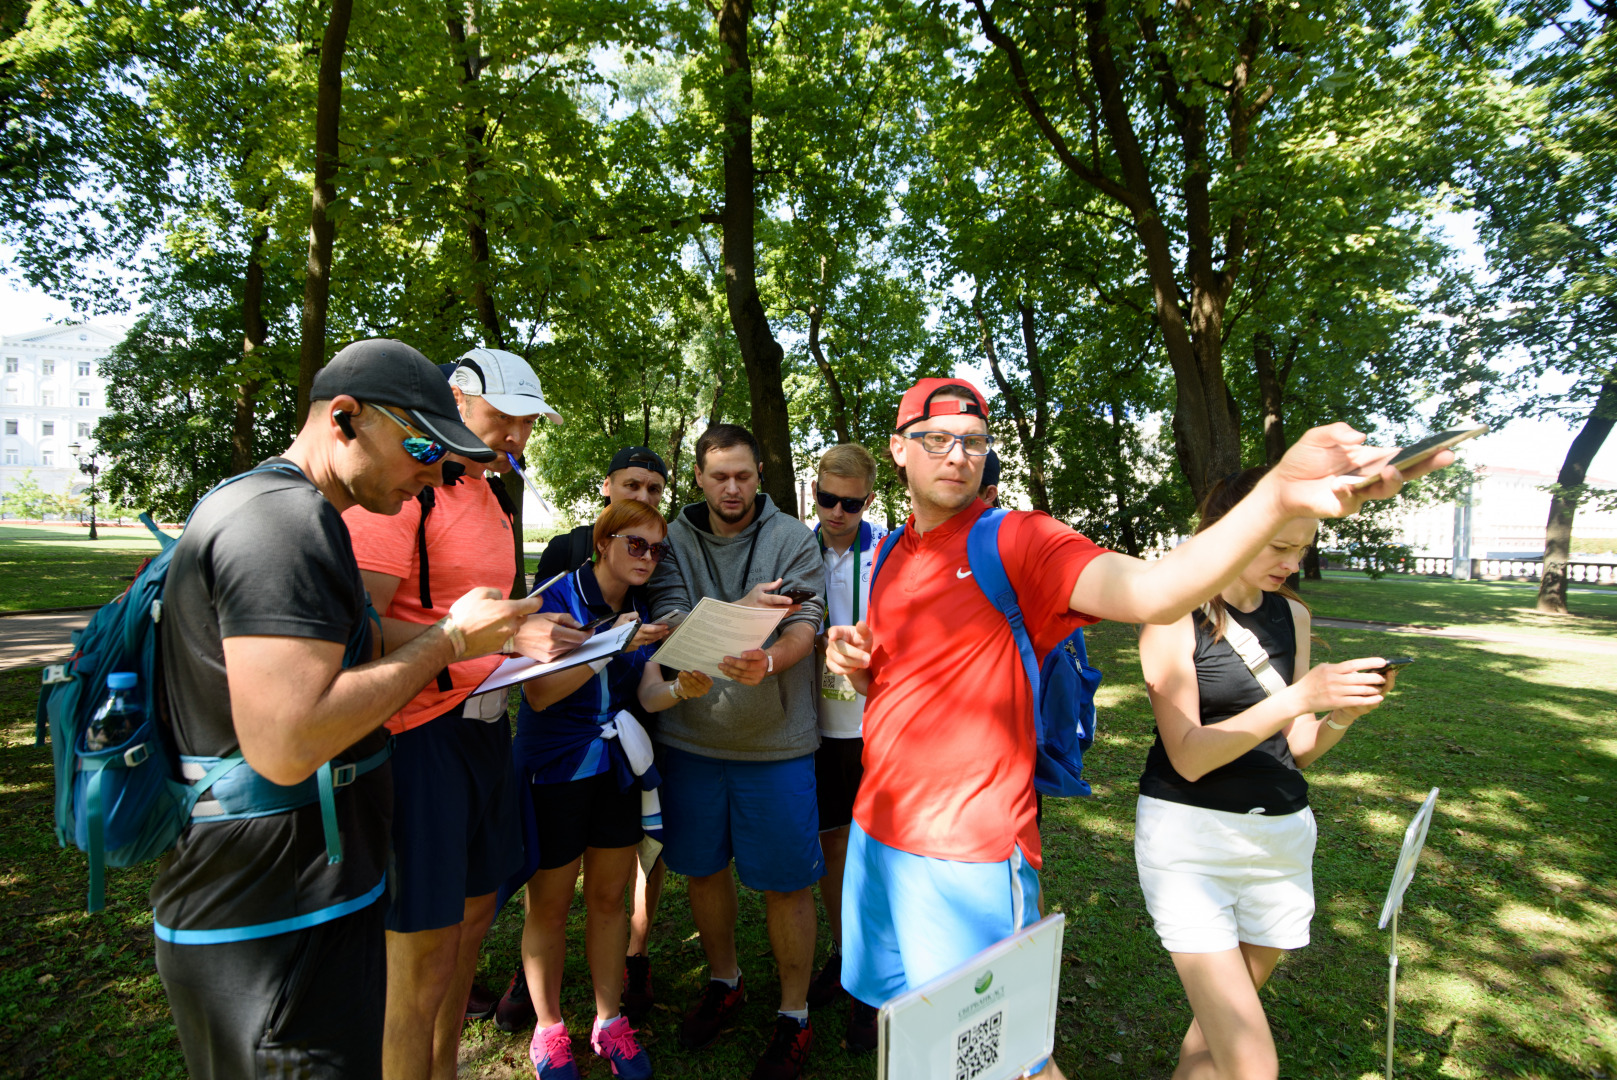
(991, 1018)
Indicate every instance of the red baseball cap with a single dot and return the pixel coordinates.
(918, 404)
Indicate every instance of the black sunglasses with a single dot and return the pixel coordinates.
(829, 501)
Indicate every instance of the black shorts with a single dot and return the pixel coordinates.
(839, 765)
(306, 1003)
(578, 814)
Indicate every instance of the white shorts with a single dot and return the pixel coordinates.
(1213, 879)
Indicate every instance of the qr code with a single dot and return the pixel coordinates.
(976, 1049)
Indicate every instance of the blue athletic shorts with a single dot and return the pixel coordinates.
(456, 832)
(762, 814)
(906, 919)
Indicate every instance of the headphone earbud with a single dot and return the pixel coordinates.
(344, 421)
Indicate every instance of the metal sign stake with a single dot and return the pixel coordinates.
(1392, 988)
(1403, 873)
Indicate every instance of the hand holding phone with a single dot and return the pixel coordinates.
(798, 596)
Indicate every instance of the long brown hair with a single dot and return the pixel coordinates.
(1220, 500)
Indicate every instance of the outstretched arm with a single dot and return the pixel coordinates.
(1314, 479)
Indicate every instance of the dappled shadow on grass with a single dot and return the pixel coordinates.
(1439, 602)
(1509, 938)
(79, 994)
(63, 579)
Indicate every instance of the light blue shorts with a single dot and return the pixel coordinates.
(906, 919)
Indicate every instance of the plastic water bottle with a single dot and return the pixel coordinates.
(118, 716)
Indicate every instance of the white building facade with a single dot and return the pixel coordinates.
(1509, 508)
(52, 394)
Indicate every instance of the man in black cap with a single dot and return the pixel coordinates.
(269, 936)
(989, 492)
(636, 474)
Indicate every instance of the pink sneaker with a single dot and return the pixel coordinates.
(552, 1053)
(616, 1043)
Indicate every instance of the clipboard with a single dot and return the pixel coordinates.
(519, 669)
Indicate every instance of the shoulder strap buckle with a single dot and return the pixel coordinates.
(56, 673)
(343, 775)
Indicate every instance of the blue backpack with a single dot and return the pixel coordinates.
(128, 803)
(1064, 684)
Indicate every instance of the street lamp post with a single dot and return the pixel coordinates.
(87, 466)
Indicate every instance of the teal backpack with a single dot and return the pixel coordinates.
(125, 804)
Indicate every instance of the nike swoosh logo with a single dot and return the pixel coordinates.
(962, 574)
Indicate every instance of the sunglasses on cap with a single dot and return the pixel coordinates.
(829, 501)
(639, 547)
(422, 449)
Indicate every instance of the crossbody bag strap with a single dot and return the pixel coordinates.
(1250, 650)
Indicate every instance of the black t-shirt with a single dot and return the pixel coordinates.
(267, 555)
(1264, 778)
(561, 555)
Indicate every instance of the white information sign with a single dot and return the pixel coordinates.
(1404, 872)
(991, 1018)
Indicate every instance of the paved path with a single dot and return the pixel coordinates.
(37, 640)
(1563, 642)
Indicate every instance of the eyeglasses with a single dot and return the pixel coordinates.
(829, 501)
(941, 442)
(423, 450)
(639, 547)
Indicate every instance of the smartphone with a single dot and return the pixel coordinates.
(1393, 663)
(798, 596)
(1418, 452)
(603, 620)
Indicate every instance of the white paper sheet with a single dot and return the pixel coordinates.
(714, 630)
(520, 668)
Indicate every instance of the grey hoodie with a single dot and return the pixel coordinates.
(779, 718)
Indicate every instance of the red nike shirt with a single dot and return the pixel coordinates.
(949, 739)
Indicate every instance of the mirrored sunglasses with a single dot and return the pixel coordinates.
(639, 547)
(423, 450)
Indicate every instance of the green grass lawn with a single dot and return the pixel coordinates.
(45, 566)
(1508, 941)
(1484, 605)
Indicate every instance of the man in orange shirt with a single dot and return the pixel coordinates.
(944, 853)
(456, 834)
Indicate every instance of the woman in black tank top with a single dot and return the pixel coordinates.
(1224, 838)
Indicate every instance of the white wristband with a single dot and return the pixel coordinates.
(769, 667)
(1334, 726)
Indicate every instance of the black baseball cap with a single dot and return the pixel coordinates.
(637, 457)
(387, 372)
(991, 469)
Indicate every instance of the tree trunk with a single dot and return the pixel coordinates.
(1272, 391)
(467, 49)
(839, 403)
(1207, 437)
(1030, 436)
(1120, 483)
(1568, 491)
(322, 230)
(760, 352)
(254, 332)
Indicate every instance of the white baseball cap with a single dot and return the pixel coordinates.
(504, 380)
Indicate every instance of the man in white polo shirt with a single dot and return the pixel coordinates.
(842, 492)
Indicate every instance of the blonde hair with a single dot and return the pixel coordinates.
(850, 460)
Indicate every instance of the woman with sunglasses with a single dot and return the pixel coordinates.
(584, 800)
(1223, 836)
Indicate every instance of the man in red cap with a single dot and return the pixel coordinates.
(944, 828)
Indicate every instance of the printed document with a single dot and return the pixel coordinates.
(714, 630)
(519, 669)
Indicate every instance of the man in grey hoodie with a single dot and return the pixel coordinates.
(739, 777)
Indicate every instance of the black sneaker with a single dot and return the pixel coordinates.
(788, 1050)
(481, 1003)
(637, 996)
(861, 1034)
(515, 1012)
(827, 985)
(717, 1007)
